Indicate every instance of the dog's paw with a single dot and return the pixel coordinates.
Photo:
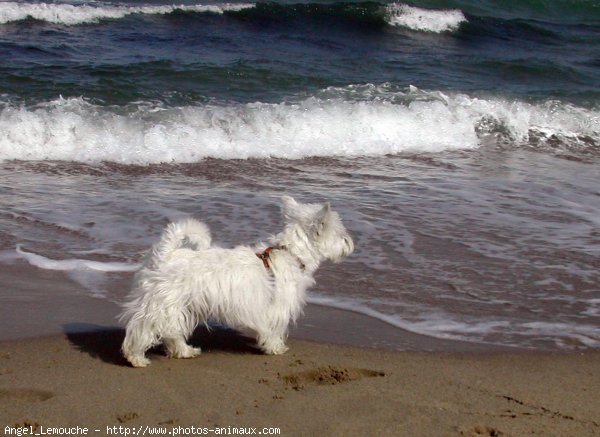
(276, 349)
(187, 352)
(140, 361)
(191, 352)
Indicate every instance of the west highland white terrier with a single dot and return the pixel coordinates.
(185, 281)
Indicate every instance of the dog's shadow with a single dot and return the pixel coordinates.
(105, 343)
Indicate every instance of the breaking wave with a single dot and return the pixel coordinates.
(369, 13)
(69, 14)
(365, 120)
(433, 16)
(425, 20)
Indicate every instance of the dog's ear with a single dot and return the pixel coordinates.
(288, 201)
(318, 221)
(289, 208)
(322, 213)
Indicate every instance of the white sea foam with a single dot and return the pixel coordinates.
(91, 275)
(593, 308)
(387, 122)
(442, 326)
(74, 264)
(435, 326)
(73, 14)
(564, 333)
(424, 20)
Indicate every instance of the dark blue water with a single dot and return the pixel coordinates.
(275, 51)
(460, 140)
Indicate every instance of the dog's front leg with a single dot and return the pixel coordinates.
(273, 346)
(178, 348)
(271, 340)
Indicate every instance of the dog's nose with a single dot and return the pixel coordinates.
(349, 244)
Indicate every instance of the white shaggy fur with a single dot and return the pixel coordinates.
(185, 281)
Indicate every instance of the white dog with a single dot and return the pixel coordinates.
(185, 281)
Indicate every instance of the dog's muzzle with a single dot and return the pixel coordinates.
(349, 246)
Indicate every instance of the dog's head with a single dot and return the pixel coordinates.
(322, 226)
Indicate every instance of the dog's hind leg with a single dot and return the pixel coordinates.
(272, 340)
(272, 345)
(137, 359)
(178, 348)
(136, 343)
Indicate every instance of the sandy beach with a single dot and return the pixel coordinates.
(315, 389)
(77, 378)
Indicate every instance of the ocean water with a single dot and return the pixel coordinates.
(459, 140)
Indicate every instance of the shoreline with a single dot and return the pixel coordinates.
(45, 303)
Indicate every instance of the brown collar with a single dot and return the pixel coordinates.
(266, 254)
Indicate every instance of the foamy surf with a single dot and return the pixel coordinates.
(424, 20)
(74, 264)
(435, 327)
(364, 120)
(91, 275)
(443, 327)
(74, 14)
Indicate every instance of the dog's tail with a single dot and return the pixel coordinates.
(189, 233)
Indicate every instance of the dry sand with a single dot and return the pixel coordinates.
(80, 379)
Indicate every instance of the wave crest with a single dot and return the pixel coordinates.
(365, 120)
(395, 14)
(67, 14)
(425, 20)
